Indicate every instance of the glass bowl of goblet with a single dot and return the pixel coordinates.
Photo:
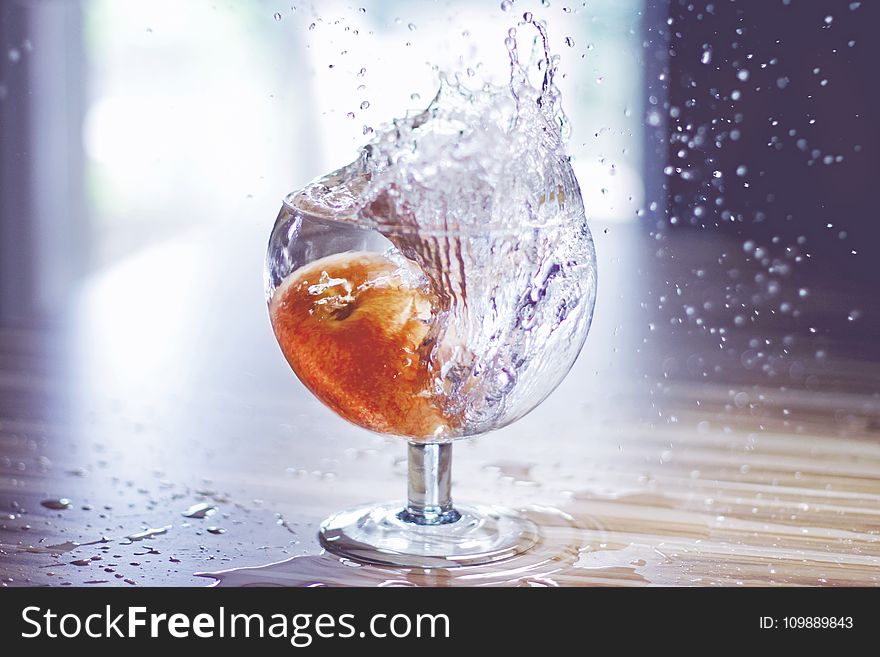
(429, 335)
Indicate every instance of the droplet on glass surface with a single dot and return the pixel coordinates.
(312, 26)
(742, 74)
(569, 41)
(741, 170)
(277, 16)
(365, 104)
(506, 5)
(706, 56)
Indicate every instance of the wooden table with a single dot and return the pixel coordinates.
(667, 456)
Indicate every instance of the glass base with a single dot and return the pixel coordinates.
(376, 534)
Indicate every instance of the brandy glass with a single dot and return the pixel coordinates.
(429, 336)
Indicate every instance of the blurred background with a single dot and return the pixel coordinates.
(727, 152)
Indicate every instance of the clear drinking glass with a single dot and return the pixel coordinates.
(382, 345)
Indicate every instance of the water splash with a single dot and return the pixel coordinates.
(477, 193)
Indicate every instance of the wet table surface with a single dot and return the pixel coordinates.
(673, 454)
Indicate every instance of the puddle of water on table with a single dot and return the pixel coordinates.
(555, 561)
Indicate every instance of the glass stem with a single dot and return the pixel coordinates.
(429, 485)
